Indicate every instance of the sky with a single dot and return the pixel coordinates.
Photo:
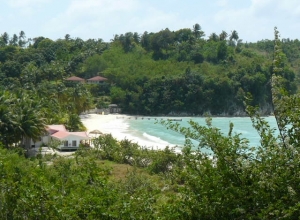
(254, 20)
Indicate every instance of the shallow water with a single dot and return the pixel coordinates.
(148, 133)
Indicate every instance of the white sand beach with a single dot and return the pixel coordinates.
(115, 124)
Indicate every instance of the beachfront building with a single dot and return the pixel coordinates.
(96, 80)
(68, 140)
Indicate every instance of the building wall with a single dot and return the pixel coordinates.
(70, 140)
(43, 140)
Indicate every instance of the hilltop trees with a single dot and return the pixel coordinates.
(149, 68)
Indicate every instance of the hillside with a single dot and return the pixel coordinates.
(179, 72)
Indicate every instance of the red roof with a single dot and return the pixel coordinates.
(64, 134)
(97, 78)
(75, 78)
(60, 132)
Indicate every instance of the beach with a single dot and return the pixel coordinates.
(117, 126)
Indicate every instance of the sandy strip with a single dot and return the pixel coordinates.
(116, 126)
(97, 122)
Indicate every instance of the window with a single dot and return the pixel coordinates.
(74, 144)
(66, 143)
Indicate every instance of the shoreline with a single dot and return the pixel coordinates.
(119, 126)
(116, 125)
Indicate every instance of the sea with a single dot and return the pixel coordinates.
(147, 132)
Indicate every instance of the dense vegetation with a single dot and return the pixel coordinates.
(234, 181)
(153, 73)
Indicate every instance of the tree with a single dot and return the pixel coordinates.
(14, 40)
(11, 69)
(22, 39)
(234, 36)
(161, 43)
(136, 37)
(214, 37)
(67, 37)
(30, 75)
(183, 35)
(5, 38)
(30, 120)
(222, 50)
(146, 41)
(22, 119)
(223, 35)
(198, 33)
(36, 41)
(7, 119)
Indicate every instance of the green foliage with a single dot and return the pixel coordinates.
(144, 69)
(216, 176)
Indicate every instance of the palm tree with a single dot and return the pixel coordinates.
(14, 40)
(197, 31)
(30, 121)
(74, 122)
(214, 37)
(136, 37)
(5, 38)
(67, 37)
(234, 36)
(7, 120)
(223, 35)
(22, 39)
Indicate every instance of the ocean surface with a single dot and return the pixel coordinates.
(146, 132)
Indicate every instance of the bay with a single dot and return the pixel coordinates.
(146, 130)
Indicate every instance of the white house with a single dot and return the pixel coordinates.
(68, 140)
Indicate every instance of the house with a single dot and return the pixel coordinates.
(68, 140)
(96, 80)
(75, 79)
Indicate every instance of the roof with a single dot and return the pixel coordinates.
(64, 134)
(60, 132)
(97, 78)
(75, 78)
(56, 127)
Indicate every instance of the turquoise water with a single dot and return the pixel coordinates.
(146, 129)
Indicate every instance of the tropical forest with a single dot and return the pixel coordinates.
(180, 72)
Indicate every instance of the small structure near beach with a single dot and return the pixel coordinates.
(68, 140)
(96, 132)
(113, 108)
